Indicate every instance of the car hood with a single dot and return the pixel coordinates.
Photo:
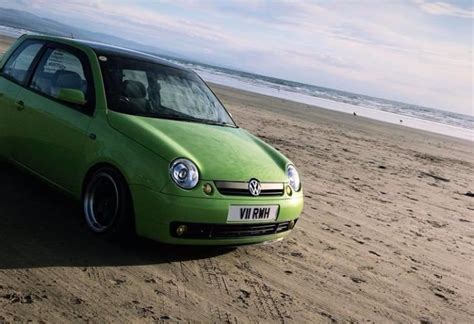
(220, 153)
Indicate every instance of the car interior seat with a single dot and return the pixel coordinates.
(135, 93)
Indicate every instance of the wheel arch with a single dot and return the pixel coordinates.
(98, 165)
(126, 223)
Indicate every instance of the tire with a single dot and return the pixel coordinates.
(107, 204)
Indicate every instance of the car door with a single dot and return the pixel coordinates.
(12, 78)
(54, 129)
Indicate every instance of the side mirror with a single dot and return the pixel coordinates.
(73, 96)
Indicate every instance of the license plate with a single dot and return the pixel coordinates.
(252, 214)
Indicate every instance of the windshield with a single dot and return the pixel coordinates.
(159, 91)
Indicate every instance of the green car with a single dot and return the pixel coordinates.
(144, 144)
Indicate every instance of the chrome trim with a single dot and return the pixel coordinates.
(255, 187)
(241, 188)
(231, 185)
(244, 185)
(188, 164)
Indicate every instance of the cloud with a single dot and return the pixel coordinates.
(387, 49)
(443, 8)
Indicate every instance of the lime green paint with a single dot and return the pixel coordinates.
(52, 140)
(72, 96)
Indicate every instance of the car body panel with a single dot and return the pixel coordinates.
(51, 141)
(158, 210)
(62, 145)
(241, 155)
(8, 94)
(123, 155)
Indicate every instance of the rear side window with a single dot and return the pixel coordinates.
(60, 69)
(18, 64)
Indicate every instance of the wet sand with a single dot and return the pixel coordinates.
(387, 234)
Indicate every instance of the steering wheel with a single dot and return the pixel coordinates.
(124, 99)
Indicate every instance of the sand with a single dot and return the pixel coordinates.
(386, 235)
(5, 43)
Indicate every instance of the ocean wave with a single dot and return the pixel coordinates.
(395, 107)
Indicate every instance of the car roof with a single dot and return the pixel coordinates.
(110, 50)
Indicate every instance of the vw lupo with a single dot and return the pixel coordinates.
(144, 144)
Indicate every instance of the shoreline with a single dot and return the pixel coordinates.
(361, 111)
(305, 108)
(321, 103)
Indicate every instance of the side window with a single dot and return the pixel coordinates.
(134, 87)
(135, 75)
(18, 64)
(134, 80)
(60, 72)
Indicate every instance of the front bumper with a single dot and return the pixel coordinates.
(157, 215)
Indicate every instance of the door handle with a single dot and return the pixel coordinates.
(20, 105)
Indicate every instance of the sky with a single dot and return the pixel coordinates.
(414, 51)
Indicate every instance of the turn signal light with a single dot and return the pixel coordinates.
(289, 191)
(291, 224)
(207, 189)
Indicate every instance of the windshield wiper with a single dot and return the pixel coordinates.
(195, 119)
(210, 122)
(181, 116)
(167, 114)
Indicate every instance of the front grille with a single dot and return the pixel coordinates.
(218, 231)
(234, 188)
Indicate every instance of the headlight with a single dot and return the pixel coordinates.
(293, 177)
(184, 173)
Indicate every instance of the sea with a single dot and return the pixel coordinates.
(405, 114)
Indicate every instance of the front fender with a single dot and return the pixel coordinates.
(138, 165)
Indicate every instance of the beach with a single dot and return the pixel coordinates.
(5, 43)
(386, 235)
